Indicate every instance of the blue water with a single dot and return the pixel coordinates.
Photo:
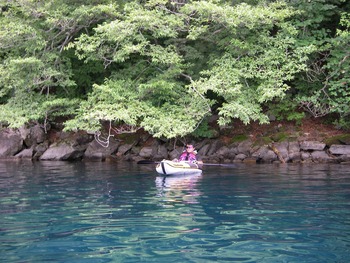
(123, 212)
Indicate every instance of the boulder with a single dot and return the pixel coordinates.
(11, 143)
(264, 155)
(63, 151)
(223, 152)
(321, 157)
(214, 147)
(70, 146)
(312, 146)
(244, 147)
(240, 157)
(282, 148)
(161, 152)
(25, 154)
(204, 150)
(340, 149)
(33, 135)
(305, 156)
(96, 151)
(344, 158)
(146, 152)
(174, 154)
(40, 149)
(294, 152)
(123, 149)
(156, 151)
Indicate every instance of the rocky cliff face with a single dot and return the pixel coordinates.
(33, 143)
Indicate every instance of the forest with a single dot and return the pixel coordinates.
(168, 66)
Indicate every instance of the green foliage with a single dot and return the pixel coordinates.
(164, 66)
(323, 89)
(122, 101)
(204, 131)
(254, 66)
(286, 109)
(36, 79)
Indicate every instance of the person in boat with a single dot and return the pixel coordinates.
(190, 155)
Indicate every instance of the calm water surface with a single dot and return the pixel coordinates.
(122, 212)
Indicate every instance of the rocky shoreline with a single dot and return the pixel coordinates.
(34, 144)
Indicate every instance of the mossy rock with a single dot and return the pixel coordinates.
(263, 141)
(338, 139)
(128, 138)
(239, 138)
(279, 137)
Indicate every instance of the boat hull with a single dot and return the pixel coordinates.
(167, 167)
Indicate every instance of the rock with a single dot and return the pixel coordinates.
(264, 155)
(321, 157)
(123, 149)
(231, 154)
(157, 151)
(214, 147)
(282, 148)
(25, 154)
(63, 151)
(240, 157)
(244, 147)
(339, 149)
(204, 150)
(24, 132)
(305, 156)
(174, 154)
(344, 158)
(40, 149)
(37, 134)
(161, 153)
(201, 144)
(223, 151)
(70, 146)
(294, 152)
(312, 146)
(11, 143)
(146, 152)
(96, 151)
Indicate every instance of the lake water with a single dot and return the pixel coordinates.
(124, 212)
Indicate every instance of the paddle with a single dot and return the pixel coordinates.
(147, 162)
(208, 164)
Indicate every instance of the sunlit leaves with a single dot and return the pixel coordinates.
(161, 64)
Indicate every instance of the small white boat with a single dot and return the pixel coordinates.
(168, 167)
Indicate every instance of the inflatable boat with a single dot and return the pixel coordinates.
(168, 167)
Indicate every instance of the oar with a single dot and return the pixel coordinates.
(207, 164)
(147, 162)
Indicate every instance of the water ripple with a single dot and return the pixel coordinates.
(57, 212)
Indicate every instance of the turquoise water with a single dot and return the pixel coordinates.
(122, 212)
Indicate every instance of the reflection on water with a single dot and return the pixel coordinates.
(122, 212)
(181, 188)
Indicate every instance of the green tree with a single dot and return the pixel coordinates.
(166, 66)
(322, 89)
(172, 57)
(36, 79)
